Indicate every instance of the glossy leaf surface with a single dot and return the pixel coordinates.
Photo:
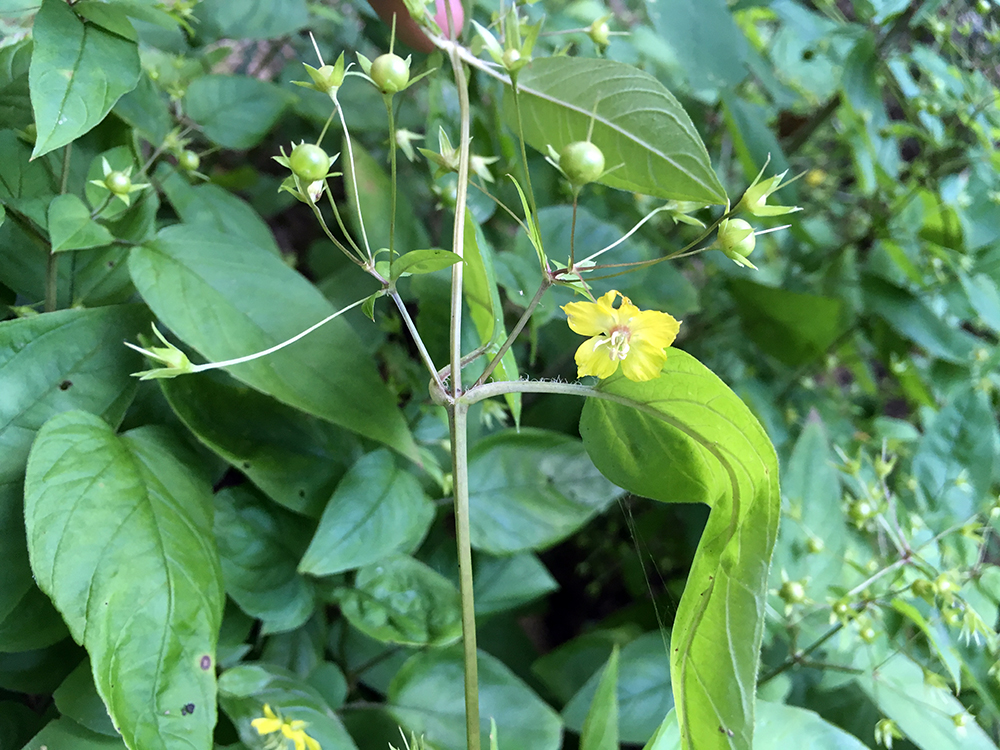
(685, 437)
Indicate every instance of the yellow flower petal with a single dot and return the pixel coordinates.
(654, 327)
(592, 358)
(592, 318)
(312, 744)
(295, 735)
(644, 361)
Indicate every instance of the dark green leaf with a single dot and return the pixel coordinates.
(504, 583)
(531, 489)
(376, 511)
(64, 732)
(600, 729)
(637, 123)
(234, 111)
(118, 526)
(245, 690)
(294, 458)
(15, 101)
(427, 697)
(423, 261)
(77, 699)
(145, 109)
(401, 600)
(259, 546)
(71, 228)
(685, 437)
(228, 299)
(79, 70)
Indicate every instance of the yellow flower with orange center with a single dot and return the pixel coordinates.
(626, 336)
(292, 730)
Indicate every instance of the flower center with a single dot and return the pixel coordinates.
(617, 343)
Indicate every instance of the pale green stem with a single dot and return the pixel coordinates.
(525, 316)
(392, 167)
(460, 472)
(625, 236)
(419, 342)
(52, 267)
(458, 235)
(326, 126)
(354, 179)
(572, 230)
(329, 234)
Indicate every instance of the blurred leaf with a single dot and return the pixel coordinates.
(600, 729)
(259, 547)
(228, 299)
(401, 600)
(427, 696)
(642, 694)
(377, 510)
(78, 71)
(250, 19)
(15, 100)
(234, 111)
(97, 503)
(637, 123)
(504, 583)
(64, 732)
(685, 437)
(708, 44)
(531, 489)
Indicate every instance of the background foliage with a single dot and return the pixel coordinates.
(278, 507)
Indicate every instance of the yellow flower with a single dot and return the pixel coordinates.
(626, 335)
(292, 730)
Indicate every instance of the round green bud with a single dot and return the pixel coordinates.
(390, 73)
(599, 33)
(189, 160)
(923, 588)
(792, 592)
(118, 183)
(815, 545)
(581, 162)
(309, 162)
(734, 239)
(868, 634)
(510, 58)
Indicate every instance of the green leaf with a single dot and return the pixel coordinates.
(641, 693)
(27, 186)
(810, 486)
(118, 526)
(15, 99)
(401, 600)
(77, 699)
(685, 437)
(294, 458)
(234, 111)
(483, 298)
(374, 198)
(637, 123)
(423, 261)
(71, 228)
(531, 488)
(923, 713)
(259, 547)
(251, 19)
(505, 583)
(600, 730)
(427, 696)
(708, 44)
(228, 299)
(376, 511)
(145, 109)
(772, 318)
(65, 732)
(245, 689)
(79, 70)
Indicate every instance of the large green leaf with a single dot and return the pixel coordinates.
(227, 298)
(245, 689)
(79, 69)
(427, 696)
(250, 19)
(402, 600)
(686, 437)
(600, 730)
(260, 545)
(293, 457)
(234, 111)
(637, 124)
(531, 488)
(120, 536)
(709, 46)
(377, 510)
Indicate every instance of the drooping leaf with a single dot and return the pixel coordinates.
(120, 536)
(228, 299)
(427, 697)
(685, 437)
(79, 69)
(70, 225)
(245, 689)
(234, 111)
(259, 547)
(637, 124)
(377, 510)
(402, 600)
(600, 729)
(531, 488)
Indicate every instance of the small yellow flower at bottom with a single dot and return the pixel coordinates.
(292, 730)
(626, 336)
